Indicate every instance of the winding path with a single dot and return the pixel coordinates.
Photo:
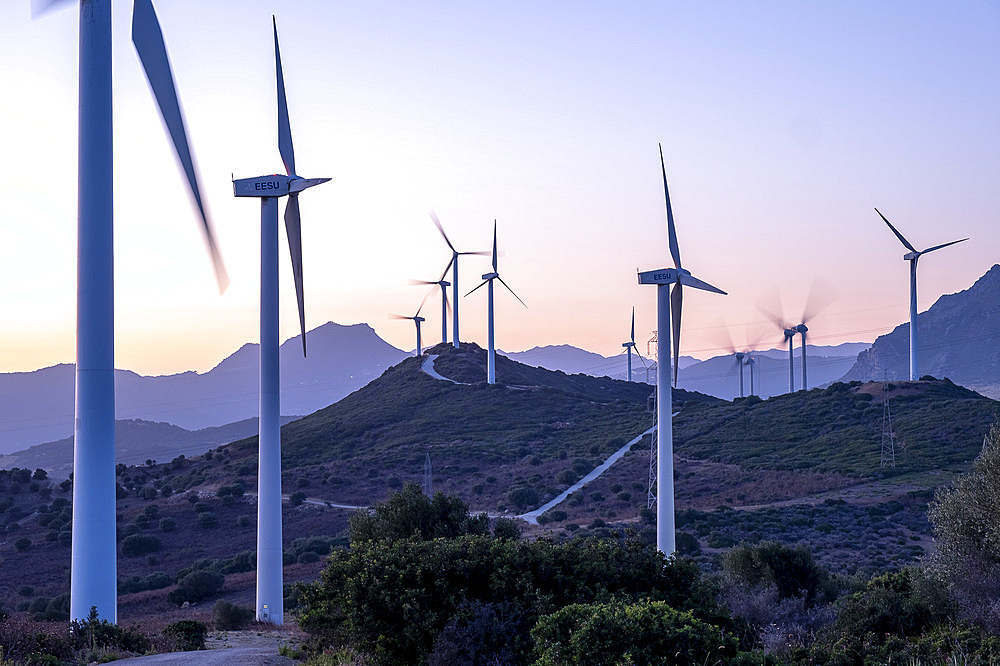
(532, 516)
(428, 367)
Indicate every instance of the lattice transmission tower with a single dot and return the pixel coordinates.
(651, 489)
(888, 457)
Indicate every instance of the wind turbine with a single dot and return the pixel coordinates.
(94, 551)
(789, 337)
(491, 363)
(453, 264)
(751, 362)
(667, 302)
(739, 361)
(629, 346)
(443, 284)
(819, 298)
(270, 602)
(416, 320)
(912, 257)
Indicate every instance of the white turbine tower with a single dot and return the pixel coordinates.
(416, 319)
(453, 264)
(912, 257)
(667, 301)
(751, 363)
(443, 284)
(491, 363)
(94, 550)
(270, 602)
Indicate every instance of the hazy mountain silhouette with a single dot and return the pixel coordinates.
(573, 360)
(959, 338)
(136, 441)
(38, 406)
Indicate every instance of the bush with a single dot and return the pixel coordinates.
(410, 512)
(791, 570)
(523, 497)
(167, 524)
(97, 634)
(392, 600)
(187, 635)
(140, 544)
(244, 521)
(196, 586)
(22, 544)
(227, 616)
(641, 633)
(207, 520)
(297, 498)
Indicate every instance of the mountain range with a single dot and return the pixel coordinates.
(38, 406)
(959, 339)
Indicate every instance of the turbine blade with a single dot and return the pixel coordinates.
(426, 296)
(396, 316)
(447, 303)
(447, 268)
(676, 298)
(692, 281)
(40, 7)
(636, 350)
(480, 285)
(938, 247)
(632, 337)
(898, 235)
(511, 291)
(284, 128)
(821, 295)
(148, 40)
(413, 283)
(495, 246)
(293, 229)
(481, 253)
(675, 251)
(437, 223)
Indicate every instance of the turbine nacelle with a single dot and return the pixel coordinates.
(801, 328)
(910, 256)
(277, 185)
(490, 276)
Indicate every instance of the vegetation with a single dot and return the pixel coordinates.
(968, 533)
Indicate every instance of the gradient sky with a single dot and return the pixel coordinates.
(782, 123)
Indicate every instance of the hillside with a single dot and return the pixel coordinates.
(520, 433)
(959, 338)
(801, 468)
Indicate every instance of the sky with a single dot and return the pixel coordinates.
(782, 123)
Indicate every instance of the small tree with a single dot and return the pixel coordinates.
(964, 519)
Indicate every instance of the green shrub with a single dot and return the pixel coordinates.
(140, 544)
(393, 599)
(227, 616)
(22, 544)
(410, 512)
(207, 520)
(167, 524)
(196, 586)
(790, 568)
(187, 635)
(636, 634)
